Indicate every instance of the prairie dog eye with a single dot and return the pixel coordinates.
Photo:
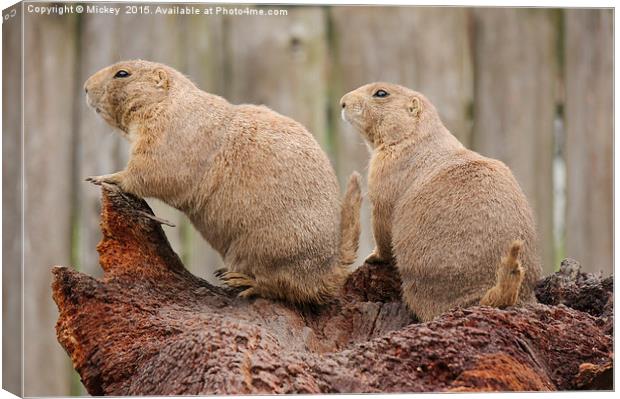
(381, 93)
(122, 74)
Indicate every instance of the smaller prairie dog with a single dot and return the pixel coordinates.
(444, 214)
(254, 183)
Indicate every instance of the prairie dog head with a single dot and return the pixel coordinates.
(129, 91)
(386, 113)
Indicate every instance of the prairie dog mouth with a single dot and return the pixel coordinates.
(92, 105)
(351, 114)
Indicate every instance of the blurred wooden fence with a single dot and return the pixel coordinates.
(532, 87)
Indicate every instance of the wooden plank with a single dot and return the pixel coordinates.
(589, 137)
(50, 79)
(280, 61)
(425, 49)
(97, 145)
(205, 55)
(515, 97)
(12, 201)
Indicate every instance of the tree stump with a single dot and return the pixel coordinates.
(149, 327)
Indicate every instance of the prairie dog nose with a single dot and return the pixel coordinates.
(343, 102)
(87, 84)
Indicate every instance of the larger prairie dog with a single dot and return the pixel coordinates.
(456, 224)
(254, 183)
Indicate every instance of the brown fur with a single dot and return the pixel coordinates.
(254, 183)
(510, 276)
(444, 214)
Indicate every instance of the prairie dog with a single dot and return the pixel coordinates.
(444, 214)
(254, 183)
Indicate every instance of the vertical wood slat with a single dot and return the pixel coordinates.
(425, 49)
(11, 203)
(49, 80)
(589, 137)
(97, 145)
(514, 108)
(280, 61)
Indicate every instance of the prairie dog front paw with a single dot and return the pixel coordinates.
(113, 178)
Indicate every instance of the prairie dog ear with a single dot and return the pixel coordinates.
(415, 107)
(161, 78)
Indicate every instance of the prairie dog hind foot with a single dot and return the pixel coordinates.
(237, 280)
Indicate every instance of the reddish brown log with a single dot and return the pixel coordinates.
(149, 327)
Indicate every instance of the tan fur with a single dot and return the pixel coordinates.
(254, 183)
(510, 276)
(444, 214)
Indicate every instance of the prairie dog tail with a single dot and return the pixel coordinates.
(510, 275)
(329, 284)
(350, 221)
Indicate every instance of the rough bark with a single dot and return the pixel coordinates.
(582, 291)
(149, 327)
